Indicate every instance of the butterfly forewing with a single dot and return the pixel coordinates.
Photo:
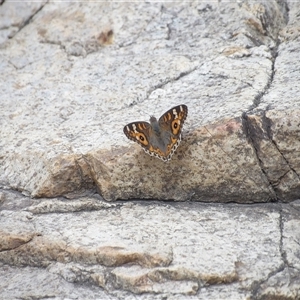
(174, 119)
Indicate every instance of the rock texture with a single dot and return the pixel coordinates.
(76, 74)
(73, 74)
(147, 250)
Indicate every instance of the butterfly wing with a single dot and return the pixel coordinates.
(138, 132)
(171, 124)
(173, 119)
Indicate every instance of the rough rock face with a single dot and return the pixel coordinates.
(76, 74)
(73, 74)
(90, 249)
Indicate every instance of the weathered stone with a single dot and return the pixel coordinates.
(283, 285)
(183, 248)
(52, 148)
(14, 17)
(15, 230)
(73, 74)
(47, 206)
(42, 251)
(28, 283)
(139, 281)
(74, 273)
(205, 154)
(274, 137)
(291, 235)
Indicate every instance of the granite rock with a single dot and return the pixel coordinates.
(148, 250)
(79, 73)
(73, 74)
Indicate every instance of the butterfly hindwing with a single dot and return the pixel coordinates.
(138, 132)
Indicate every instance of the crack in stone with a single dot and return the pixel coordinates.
(281, 229)
(268, 134)
(46, 296)
(169, 32)
(92, 175)
(28, 20)
(274, 53)
(83, 183)
(256, 286)
(250, 136)
(28, 64)
(164, 83)
(257, 99)
(245, 172)
(256, 102)
(280, 178)
(268, 122)
(161, 85)
(46, 41)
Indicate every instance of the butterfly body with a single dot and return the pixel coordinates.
(159, 138)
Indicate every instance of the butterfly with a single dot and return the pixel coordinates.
(159, 138)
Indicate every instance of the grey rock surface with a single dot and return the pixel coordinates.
(147, 250)
(73, 74)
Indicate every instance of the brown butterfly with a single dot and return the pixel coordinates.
(159, 138)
